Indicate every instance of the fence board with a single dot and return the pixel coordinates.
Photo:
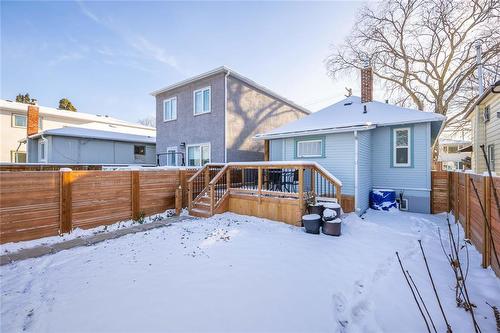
(440, 197)
(495, 224)
(29, 205)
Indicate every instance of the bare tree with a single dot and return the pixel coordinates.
(424, 51)
(148, 121)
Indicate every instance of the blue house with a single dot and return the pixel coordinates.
(367, 145)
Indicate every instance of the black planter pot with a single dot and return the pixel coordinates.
(332, 228)
(333, 206)
(312, 223)
(316, 209)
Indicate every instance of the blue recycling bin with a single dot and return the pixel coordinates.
(383, 199)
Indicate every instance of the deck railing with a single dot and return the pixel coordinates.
(305, 181)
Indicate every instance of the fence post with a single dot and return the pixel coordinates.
(136, 200)
(455, 206)
(486, 232)
(66, 201)
(301, 190)
(178, 200)
(467, 206)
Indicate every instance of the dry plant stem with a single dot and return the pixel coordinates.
(448, 327)
(491, 177)
(413, 293)
(421, 300)
(488, 225)
(464, 287)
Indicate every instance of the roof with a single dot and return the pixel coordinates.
(454, 142)
(230, 72)
(21, 107)
(90, 133)
(349, 115)
(493, 89)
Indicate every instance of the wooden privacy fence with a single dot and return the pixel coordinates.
(454, 192)
(35, 204)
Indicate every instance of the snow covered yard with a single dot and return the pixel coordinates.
(239, 273)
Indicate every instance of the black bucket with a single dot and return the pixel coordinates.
(316, 209)
(332, 228)
(312, 223)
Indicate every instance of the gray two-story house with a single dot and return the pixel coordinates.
(213, 117)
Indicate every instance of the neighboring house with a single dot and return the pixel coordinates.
(14, 121)
(451, 157)
(83, 145)
(484, 116)
(212, 118)
(367, 145)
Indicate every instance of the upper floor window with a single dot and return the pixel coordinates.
(401, 147)
(170, 109)
(202, 100)
(19, 120)
(309, 148)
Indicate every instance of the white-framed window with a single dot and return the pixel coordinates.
(198, 154)
(17, 156)
(310, 148)
(170, 109)
(202, 100)
(401, 147)
(42, 151)
(491, 156)
(172, 156)
(19, 120)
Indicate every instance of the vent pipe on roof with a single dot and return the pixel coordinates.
(366, 83)
(479, 68)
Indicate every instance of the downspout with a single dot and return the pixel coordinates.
(225, 115)
(356, 158)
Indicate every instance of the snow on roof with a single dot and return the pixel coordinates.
(349, 114)
(81, 132)
(21, 107)
(454, 142)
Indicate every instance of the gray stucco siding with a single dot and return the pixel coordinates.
(191, 129)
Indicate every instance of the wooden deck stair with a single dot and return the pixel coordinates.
(211, 187)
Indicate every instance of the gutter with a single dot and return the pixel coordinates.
(356, 159)
(314, 132)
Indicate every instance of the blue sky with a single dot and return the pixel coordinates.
(106, 57)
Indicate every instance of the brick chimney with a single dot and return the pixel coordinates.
(32, 123)
(366, 84)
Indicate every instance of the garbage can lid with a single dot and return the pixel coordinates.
(331, 205)
(311, 217)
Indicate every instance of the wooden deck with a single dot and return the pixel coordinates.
(277, 191)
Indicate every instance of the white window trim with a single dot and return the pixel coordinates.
(199, 145)
(164, 114)
(307, 156)
(209, 100)
(13, 120)
(174, 148)
(14, 155)
(394, 159)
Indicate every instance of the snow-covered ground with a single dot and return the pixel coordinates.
(237, 273)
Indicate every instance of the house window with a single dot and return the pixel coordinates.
(202, 100)
(198, 155)
(170, 109)
(491, 156)
(401, 149)
(19, 120)
(452, 149)
(42, 150)
(309, 148)
(171, 156)
(139, 150)
(17, 156)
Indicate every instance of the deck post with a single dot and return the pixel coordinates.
(207, 175)
(301, 189)
(212, 202)
(228, 178)
(338, 193)
(190, 195)
(313, 185)
(259, 181)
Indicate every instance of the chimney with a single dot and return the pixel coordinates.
(366, 83)
(32, 123)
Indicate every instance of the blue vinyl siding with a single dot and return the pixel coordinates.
(364, 170)
(339, 157)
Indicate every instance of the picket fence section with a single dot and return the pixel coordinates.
(35, 204)
(454, 192)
